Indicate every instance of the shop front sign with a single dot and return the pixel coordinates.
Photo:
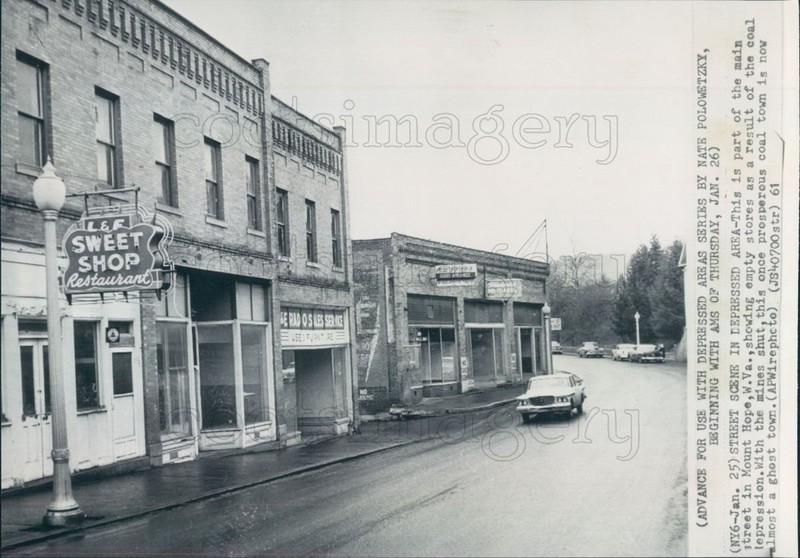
(504, 289)
(455, 272)
(115, 251)
(312, 327)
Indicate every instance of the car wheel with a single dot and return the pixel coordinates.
(525, 418)
(580, 408)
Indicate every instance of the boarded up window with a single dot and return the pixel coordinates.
(479, 312)
(424, 310)
(527, 314)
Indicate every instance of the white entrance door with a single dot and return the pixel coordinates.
(124, 406)
(36, 425)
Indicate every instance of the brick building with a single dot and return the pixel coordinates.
(435, 319)
(128, 93)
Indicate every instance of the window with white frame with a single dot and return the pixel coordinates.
(282, 221)
(213, 179)
(163, 141)
(336, 238)
(106, 133)
(253, 194)
(311, 231)
(30, 91)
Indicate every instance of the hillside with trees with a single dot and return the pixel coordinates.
(594, 308)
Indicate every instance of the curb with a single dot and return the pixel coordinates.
(444, 412)
(207, 496)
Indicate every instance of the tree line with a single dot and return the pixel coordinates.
(593, 307)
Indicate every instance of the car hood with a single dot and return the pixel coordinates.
(555, 392)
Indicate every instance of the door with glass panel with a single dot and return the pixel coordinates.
(124, 404)
(36, 422)
(216, 361)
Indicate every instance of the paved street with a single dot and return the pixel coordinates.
(611, 482)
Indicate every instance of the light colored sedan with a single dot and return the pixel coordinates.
(559, 392)
(622, 351)
(647, 353)
(590, 349)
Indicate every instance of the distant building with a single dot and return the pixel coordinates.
(253, 343)
(435, 319)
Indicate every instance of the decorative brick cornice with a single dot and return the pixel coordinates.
(120, 22)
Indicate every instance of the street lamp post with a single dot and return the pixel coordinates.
(637, 316)
(548, 347)
(48, 194)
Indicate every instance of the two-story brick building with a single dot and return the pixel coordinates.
(129, 93)
(436, 319)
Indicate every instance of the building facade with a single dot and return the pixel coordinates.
(435, 319)
(128, 93)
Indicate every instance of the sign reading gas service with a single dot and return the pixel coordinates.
(116, 252)
(313, 327)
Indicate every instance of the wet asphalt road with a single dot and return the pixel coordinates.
(611, 482)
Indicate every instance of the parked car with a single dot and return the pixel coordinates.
(555, 348)
(590, 349)
(622, 351)
(647, 353)
(559, 392)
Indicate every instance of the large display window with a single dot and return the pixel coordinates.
(437, 354)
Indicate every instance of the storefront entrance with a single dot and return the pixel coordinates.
(485, 334)
(36, 427)
(320, 388)
(233, 356)
(316, 364)
(526, 351)
(485, 348)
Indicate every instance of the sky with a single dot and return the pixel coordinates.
(577, 113)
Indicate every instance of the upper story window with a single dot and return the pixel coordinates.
(311, 231)
(213, 179)
(31, 82)
(253, 194)
(282, 221)
(336, 238)
(105, 113)
(163, 141)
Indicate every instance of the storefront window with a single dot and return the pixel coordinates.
(217, 376)
(486, 351)
(173, 303)
(254, 367)
(437, 354)
(251, 302)
(86, 383)
(449, 355)
(173, 379)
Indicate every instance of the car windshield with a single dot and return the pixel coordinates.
(590, 344)
(557, 381)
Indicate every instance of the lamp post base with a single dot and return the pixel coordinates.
(63, 517)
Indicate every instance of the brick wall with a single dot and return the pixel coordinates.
(374, 346)
(82, 53)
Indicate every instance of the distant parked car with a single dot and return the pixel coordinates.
(559, 392)
(590, 349)
(555, 348)
(647, 353)
(622, 351)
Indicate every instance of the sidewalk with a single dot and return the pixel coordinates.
(112, 499)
